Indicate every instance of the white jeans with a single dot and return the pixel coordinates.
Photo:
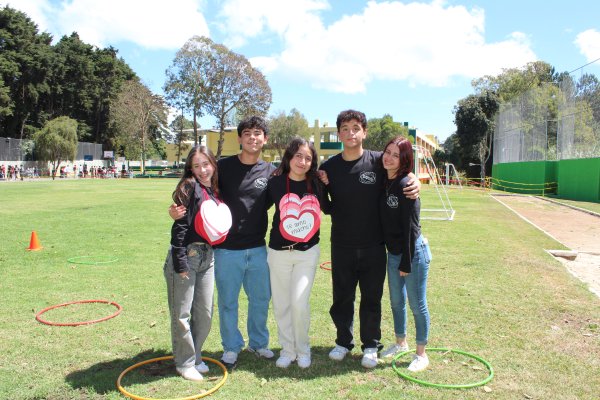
(292, 276)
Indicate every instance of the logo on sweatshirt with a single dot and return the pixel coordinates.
(392, 201)
(368, 178)
(260, 183)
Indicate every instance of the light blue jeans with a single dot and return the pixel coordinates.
(190, 304)
(413, 286)
(247, 268)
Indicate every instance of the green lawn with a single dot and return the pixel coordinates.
(493, 292)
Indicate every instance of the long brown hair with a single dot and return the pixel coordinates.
(290, 151)
(181, 194)
(405, 151)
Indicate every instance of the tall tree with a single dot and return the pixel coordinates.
(283, 128)
(24, 58)
(513, 82)
(235, 85)
(382, 130)
(110, 73)
(139, 116)
(56, 142)
(474, 118)
(179, 125)
(187, 86)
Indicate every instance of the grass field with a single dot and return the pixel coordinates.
(493, 292)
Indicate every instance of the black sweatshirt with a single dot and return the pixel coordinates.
(400, 220)
(182, 230)
(276, 190)
(355, 189)
(244, 189)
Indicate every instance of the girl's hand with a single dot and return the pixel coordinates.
(176, 212)
(323, 177)
(184, 275)
(402, 273)
(413, 188)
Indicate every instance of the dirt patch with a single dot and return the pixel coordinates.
(575, 229)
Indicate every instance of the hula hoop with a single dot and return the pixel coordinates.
(198, 396)
(440, 385)
(323, 266)
(43, 321)
(74, 260)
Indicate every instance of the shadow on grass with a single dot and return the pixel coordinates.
(322, 365)
(102, 378)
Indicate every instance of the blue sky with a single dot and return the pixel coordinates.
(413, 60)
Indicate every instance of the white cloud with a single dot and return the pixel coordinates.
(245, 19)
(588, 43)
(37, 10)
(153, 24)
(422, 43)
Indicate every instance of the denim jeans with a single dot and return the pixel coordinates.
(413, 286)
(247, 268)
(190, 304)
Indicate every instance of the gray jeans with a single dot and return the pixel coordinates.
(190, 304)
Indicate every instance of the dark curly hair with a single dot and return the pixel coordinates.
(349, 115)
(254, 122)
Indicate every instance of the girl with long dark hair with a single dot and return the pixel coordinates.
(408, 252)
(189, 265)
(293, 252)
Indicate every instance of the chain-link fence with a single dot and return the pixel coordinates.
(551, 122)
(17, 150)
(10, 149)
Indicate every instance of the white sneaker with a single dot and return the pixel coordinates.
(202, 367)
(369, 359)
(264, 352)
(283, 362)
(304, 361)
(229, 358)
(338, 353)
(393, 350)
(190, 373)
(419, 363)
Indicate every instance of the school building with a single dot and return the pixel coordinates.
(324, 137)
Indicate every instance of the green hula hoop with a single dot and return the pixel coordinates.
(76, 260)
(402, 374)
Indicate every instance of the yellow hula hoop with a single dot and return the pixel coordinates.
(198, 396)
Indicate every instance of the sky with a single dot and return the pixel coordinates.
(412, 60)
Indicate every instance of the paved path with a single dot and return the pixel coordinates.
(577, 230)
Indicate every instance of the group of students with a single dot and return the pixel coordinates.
(372, 198)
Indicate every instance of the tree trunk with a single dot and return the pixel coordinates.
(195, 128)
(221, 136)
(180, 139)
(143, 166)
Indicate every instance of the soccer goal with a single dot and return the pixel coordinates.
(445, 212)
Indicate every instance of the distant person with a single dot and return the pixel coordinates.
(408, 255)
(241, 261)
(358, 257)
(292, 256)
(189, 266)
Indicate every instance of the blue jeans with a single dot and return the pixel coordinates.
(247, 268)
(414, 285)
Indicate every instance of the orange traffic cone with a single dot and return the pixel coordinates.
(34, 243)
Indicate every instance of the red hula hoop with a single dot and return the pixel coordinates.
(43, 321)
(323, 265)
